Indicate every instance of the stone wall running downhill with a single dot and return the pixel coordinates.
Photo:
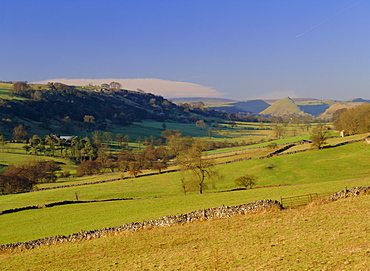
(199, 215)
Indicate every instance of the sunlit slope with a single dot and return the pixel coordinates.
(285, 106)
(327, 237)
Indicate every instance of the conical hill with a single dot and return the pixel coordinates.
(285, 106)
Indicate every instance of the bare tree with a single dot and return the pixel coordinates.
(319, 135)
(200, 124)
(90, 121)
(198, 169)
(19, 133)
(115, 85)
(278, 131)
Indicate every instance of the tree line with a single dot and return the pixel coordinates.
(355, 120)
(97, 155)
(25, 177)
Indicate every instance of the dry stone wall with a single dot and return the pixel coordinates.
(199, 215)
(352, 192)
(58, 203)
(96, 182)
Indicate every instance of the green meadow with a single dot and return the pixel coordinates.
(318, 237)
(321, 171)
(269, 241)
(5, 92)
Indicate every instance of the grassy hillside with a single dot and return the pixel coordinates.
(252, 106)
(156, 196)
(285, 106)
(265, 241)
(331, 110)
(325, 237)
(314, 109)
(62, 109)
(5, 92)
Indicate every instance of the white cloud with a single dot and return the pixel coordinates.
(161, 87)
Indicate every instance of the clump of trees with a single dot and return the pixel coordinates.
(355, 120)
(88, 167)
(127, 160)
(75, 148)
(25, 177)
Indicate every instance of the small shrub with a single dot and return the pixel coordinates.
(65, 174)
(272, 146)
(248, 181)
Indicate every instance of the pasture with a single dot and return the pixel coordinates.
(159, 195)
(264, 241)
(5, 92)
(323, 237)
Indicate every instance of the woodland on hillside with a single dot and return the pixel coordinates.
(354, 120)
(59, 108)
(61, 104)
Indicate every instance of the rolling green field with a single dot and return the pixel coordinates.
(4, 92)
(265, 241)
(15, 154)
(333, 236)
(159, 195)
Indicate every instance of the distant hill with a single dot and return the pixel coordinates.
(205, 100)
(359, 100)
(277, 107)
(314, 109)
(62, 109)
(328, 113)
(285, 106)
(251, 106)
(296, 100)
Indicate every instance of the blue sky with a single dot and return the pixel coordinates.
(237, 49)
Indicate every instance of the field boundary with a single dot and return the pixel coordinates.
(297, 201)
(275, 153)
(59, 203)
(199, 215)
